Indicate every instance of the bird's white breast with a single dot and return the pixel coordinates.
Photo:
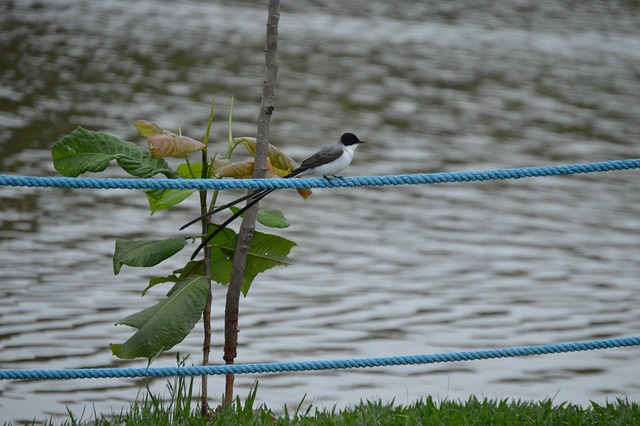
(336, 166)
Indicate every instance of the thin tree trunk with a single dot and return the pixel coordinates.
(248, 222)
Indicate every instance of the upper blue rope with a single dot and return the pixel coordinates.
(403, 179)
(320, 364)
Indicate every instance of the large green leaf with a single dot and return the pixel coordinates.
(221, 265)
(87, 151)
(221, 259)
(165, 324)
(161, 199)
(145, 252)
(266, 251)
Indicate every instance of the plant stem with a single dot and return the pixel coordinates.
(206, 314)
(247, 227)
(186, 159)
(230, 149)
(230, 128)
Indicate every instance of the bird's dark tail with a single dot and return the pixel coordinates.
(219, 209)
(259, 196)
(255, 196)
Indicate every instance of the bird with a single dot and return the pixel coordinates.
(327, 162)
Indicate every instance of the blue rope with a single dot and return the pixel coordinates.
(320, 364)
(403, 179)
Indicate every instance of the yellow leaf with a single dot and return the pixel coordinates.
(166, 144)
(239, 170)
(170, 145)
(147, 128)
(219, 163)
(243, 170)
(274, 153)
(304, 192)
(282, 164)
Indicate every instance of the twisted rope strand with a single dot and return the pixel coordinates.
(319, 364)
(401, 179)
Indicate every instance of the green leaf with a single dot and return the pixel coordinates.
(194, 267)
(266, 251)
(221, 260)
(161, 199)
(221, 266)
(269, 218)
(190, 171)
(273, 219)
(87, 151)
(165, 324)
(145, 252)
(159, 280)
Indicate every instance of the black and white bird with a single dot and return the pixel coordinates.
(328, 162)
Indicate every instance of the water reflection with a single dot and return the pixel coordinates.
(377, 271)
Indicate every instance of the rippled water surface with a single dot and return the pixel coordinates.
(377, 271)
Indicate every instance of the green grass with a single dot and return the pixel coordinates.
(151, 410)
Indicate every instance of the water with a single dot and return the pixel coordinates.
(377, 271)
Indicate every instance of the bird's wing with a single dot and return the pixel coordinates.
(324, 156)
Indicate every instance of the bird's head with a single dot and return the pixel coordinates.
(348, 139)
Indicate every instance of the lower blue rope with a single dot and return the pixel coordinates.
(320, 364)
(404, 179)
